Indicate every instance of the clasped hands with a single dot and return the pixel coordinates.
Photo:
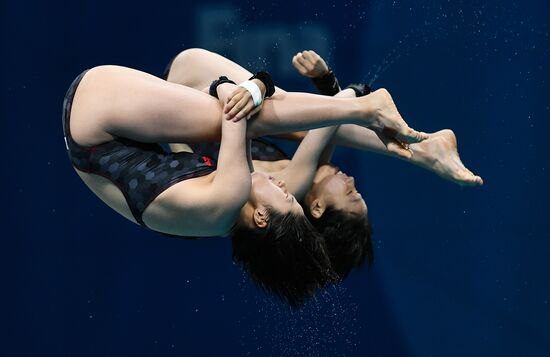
(237, 101)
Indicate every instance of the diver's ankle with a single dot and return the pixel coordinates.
(366, 111)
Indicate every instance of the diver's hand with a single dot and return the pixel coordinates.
(310, 64)
(239, 103)
(224, 91)
(228, 92)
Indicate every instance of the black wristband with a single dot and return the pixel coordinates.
(213, 91)
(266, 79)
(360, 89)
(327, 84)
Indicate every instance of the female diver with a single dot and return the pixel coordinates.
(114, 117)
(331, 200)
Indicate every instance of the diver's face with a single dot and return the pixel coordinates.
(269, 192)
(338, 190)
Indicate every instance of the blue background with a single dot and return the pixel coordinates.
(459, 271)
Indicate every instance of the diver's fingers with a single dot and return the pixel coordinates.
(305, 63)
(231, 101)
(307, 56)
(301, 60)
(313, 55)
(244, 111)
(238, 106)
(299, 67)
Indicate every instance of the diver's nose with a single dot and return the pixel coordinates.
(282, 185)
(350, 180)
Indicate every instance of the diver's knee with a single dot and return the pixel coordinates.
(185, 68)
(191, 55)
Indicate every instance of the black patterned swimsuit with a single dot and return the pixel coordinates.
(141, 171)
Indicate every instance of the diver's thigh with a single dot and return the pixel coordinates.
(197, 68)
(127, 103)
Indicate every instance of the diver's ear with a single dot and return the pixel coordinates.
(261, 217)
(317, 208)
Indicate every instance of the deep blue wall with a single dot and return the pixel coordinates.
(459, 271)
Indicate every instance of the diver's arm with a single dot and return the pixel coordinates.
(315, 149)
(230, 188)
(326, 155)
(313, 66)
(310, 64)
(301, 170)
(349, 135)
(327, 84)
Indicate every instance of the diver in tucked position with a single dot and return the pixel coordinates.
(115, 116)
(331, 200)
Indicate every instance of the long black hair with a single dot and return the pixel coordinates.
(288, 258)
(348, 237)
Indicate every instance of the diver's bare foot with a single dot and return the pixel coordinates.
(439, 154)
(384, 118)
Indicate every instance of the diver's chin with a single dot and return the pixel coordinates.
(325, 171)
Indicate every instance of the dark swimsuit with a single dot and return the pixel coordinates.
(141, 171)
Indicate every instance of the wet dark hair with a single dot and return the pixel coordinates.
(288, 258)
(347, 237)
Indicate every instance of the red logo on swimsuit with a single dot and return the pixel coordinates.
(207, 160)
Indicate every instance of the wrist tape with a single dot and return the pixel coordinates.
(254, 90)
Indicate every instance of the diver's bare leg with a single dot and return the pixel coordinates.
(438, 153)
(117, 101)
(197, 68)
